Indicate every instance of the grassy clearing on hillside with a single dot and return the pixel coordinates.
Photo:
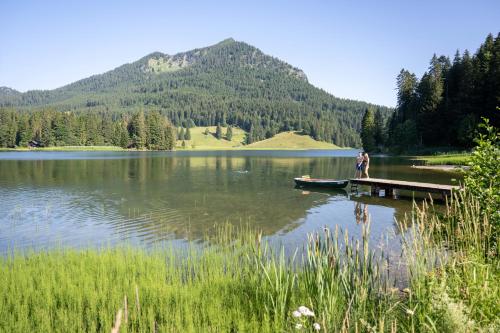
(291, 140)
(284, 140)
(445, 159)
(237, 284)
(201, 141)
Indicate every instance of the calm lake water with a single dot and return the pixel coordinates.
(104, 198)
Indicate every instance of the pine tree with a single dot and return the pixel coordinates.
(169, 137)
(155, 135)
(181, 136)
(187, 136)
(120, 134)
(250, 135)
(25, 132)
(218, 132)
(46, 134)
(430, 92)
(368, 131)
(8, 129)
(379, 129)
(229, 133)
(138, 130)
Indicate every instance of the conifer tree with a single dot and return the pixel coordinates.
(379, 129)
(138, 130)
(155, 135)
(187, 136)
(218, 132)
(368, 131)
(229, 133)
(181, 136)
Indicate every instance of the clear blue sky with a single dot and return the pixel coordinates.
(353, 49)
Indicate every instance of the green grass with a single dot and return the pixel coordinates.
(238, 284)
(200, 141)
(291, 140)
(445, 159)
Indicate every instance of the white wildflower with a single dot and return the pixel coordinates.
(410, 312)
(298, 326)
(296, 314)
(316, 326)
(305, 311)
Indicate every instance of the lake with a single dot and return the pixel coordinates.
(82, 199)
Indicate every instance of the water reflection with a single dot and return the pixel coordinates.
(152, 197)
(361, 214)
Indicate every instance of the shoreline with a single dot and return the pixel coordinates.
(442, 167)
(119, 149)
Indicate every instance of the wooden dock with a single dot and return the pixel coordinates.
(389, 185)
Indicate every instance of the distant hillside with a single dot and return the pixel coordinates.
(229, 83)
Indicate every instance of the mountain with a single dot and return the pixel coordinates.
(230, 82)
(6, 92)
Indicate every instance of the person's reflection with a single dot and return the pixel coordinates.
(365, 214)
(361, 214)
(357, 212)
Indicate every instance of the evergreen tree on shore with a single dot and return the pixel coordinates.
(181, 136)
(138, 130)
(218, 132)
(379, 129)
(368, 131)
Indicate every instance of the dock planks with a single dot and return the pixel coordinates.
(389, 185)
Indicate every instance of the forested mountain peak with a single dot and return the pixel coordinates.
(6, 91)
(231, 83)
(228, 52)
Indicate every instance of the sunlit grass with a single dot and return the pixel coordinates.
(446, 159)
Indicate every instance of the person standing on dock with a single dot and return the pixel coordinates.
(366, 164)
(359, 165)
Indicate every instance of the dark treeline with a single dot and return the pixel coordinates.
(53, 128)
(444, 106)
(230, 83)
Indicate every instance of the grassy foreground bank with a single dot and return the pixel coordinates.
(238, 285)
